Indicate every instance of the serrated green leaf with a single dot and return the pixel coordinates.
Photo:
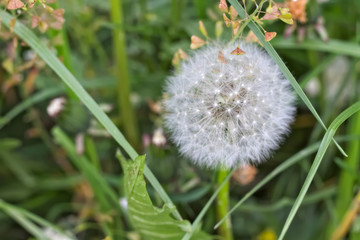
(151, 222)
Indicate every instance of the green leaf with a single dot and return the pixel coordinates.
(151, 222)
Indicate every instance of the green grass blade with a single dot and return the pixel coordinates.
(26, 220)
(279, 169)
(275, 56)
(106, 196)
(46, 94)
(286, 202)
(318, 158)
(54, 63)
(332, 46)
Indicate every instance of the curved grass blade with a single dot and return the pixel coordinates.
(151, 222)
(332, 46)
(312, 198)
(271, 51)
(279, 169)
(43, 95)
(107, 197)
(54, 63)
(318, 158)
(27, 220)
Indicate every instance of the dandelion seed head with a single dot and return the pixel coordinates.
(239, 110)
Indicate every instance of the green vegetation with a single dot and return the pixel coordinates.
(81, 172)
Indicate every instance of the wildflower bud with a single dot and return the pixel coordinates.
(203, 29)
(226, 114)
(196, 42)
(218, 29)
(223, 6)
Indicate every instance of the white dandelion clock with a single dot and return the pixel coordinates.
(228, 111)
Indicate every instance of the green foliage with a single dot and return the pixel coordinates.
(47, 184)
(152, 222)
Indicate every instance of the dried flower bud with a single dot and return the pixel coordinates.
(245, 174)
(203, 29)
(14, 4)
(297, 9)
(233, 13)
(237, 51)
(196, 42)
(269, 36)
(223, 6)
(226, 20)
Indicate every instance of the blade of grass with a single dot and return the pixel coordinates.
(275, 56)
(286, 202)
(107, 197)
(26, 220)
(347, 179)
(318, 158)
(279, 169)
(332, 46)
(350, 216)
(47, 94)
(34, 42)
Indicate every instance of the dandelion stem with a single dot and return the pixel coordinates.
(222, 207)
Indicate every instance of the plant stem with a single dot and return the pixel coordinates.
(121, 66)
(347, 179)
(222, 207)
(348, 219)
(176, 11)
(64, 52)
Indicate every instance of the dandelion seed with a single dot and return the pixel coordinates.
(238, 126)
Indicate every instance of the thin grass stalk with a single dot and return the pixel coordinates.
(348, 219)
(347, 179)
(127, 115)
(176, 12)
(63, 52)
(222, 206)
